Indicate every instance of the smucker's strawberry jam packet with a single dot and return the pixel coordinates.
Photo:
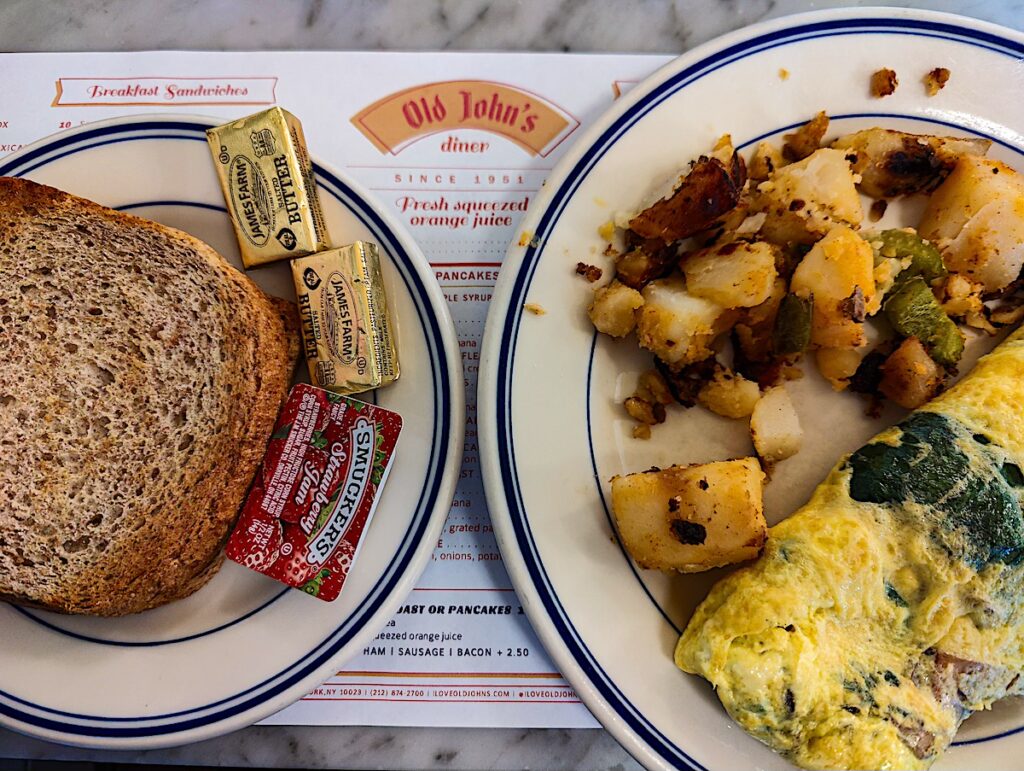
(316, 491)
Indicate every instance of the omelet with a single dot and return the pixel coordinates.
(891, 606)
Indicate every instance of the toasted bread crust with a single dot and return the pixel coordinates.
(164, 539)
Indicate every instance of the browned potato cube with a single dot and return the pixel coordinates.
(893, 163)
(806, 199)
(775, 426)
(836, 271)
(614, 309)
(838, 365)
(710, 189)
(735, 275)
(806, 139)
(691, 518)
(975, 220)
(765, 160)
(729, 394)
(909, 376)
(677, 326)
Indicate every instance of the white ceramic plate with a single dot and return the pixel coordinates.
(552, 428)
(244, 646)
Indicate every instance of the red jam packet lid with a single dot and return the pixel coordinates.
(312, 500)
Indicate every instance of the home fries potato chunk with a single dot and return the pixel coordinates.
(893, 163)
(976, 218)
(731, 279)
(691, 518)
(806, 199)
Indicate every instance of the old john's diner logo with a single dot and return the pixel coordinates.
(528, 120)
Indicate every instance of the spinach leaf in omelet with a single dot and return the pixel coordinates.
(963, 481)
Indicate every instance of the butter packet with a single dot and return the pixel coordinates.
(267, 178)
(346, 325)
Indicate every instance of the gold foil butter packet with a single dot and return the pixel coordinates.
(267, 178)
(346, 326)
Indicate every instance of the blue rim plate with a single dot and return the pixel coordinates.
(241, 648)
(552, 430)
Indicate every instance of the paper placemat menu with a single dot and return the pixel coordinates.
(457, 146)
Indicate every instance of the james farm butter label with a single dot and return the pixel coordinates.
(346, 327)
(316, 491)
(267, 178)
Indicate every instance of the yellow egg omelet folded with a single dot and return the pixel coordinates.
(891, 606)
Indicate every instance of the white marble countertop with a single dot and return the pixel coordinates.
(663, 26)
(529, 25)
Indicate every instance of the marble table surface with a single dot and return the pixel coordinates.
(501, 25)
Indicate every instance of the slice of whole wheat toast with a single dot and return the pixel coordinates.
(140, 378)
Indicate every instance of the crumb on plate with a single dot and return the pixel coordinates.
(884, 82)
(935, 80)
(535, 309)
(877, 210)
(591, 273)
(783, 73)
